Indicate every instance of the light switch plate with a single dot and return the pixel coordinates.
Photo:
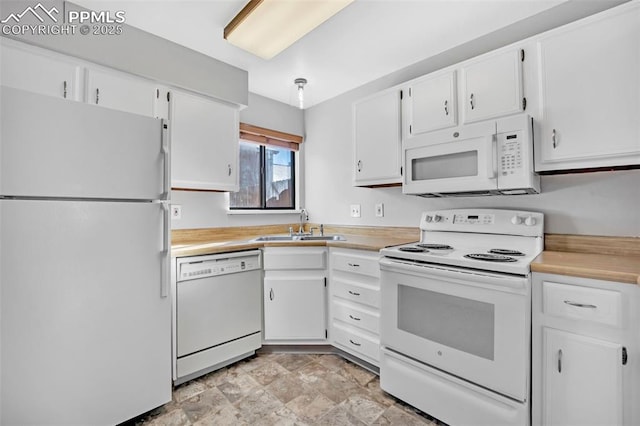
(380, 210)
(355, 210)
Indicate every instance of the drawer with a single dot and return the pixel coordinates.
(356, 292)
(357, 316)
(357, 342)
(582, 303)
(294, 258)
(355, 263)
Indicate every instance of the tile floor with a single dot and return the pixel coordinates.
(286, 389)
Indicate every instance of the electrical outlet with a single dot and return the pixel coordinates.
(176, 211)
(380, 210)
(355, 210)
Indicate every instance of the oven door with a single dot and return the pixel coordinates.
(471, 324)
(444, 164)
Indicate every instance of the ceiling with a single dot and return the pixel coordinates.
(366, 40)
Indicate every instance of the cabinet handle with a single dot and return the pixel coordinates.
(271, 294)
(97, 96)
(359, 165)
(353, 265)
(354, 293)
(354, 318)
(64, 86)
(472, 102)
(229, 169)
(355, 343)
(559, 360)
(580, 305)
(446, 107)
(554, 139)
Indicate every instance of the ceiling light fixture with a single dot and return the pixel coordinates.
(267, 27)
(300, 82)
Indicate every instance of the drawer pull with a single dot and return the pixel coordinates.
(353, 265)
(355, 343)
(580, 305)
(354, 293)
(354, 318)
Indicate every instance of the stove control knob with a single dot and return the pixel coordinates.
(529, 221)
(428, 219)
(437, 218)
(516, 220)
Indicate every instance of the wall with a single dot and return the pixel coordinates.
(209, 209)
(603, 203)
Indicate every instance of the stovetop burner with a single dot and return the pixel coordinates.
(490, 257)
(435, 246)
(412, 249)
(506, 252)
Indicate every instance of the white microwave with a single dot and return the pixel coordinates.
(493, 157)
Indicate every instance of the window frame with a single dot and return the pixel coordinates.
(263, 187)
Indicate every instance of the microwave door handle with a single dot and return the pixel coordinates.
(492, 166)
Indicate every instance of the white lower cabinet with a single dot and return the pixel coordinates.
(294, 294)
(355, 303)
(586, 345)
(582, 379)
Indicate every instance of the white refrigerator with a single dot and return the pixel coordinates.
(85, 317)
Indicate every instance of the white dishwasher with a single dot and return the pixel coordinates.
(218, 311)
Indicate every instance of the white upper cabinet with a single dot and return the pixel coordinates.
(121, 91)
(590, 92)
(204, 143)
(377, 139)
(431, 104)
(491, 85)
(42, 73)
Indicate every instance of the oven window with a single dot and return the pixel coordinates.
(463, 324)
(460, 164)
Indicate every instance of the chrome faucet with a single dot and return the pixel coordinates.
(303, 216)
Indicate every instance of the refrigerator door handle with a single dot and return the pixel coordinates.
(166, 247)
(166, 183)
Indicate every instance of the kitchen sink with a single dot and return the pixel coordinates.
(277, 238)
(322, 238)
(301, 238)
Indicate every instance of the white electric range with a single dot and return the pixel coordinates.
(456, 315)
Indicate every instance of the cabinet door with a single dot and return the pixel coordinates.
(204, 143)
(492, 86)
(294, 308)
(432, 104)
(45, 74)
(582, 380)
(376, 127)
(590, 92)
(120, 91)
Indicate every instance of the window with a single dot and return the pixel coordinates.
(267, 172)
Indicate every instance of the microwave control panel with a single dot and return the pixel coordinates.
(510, 153)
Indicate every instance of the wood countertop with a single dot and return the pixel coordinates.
(602, 258)
(191, 243)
